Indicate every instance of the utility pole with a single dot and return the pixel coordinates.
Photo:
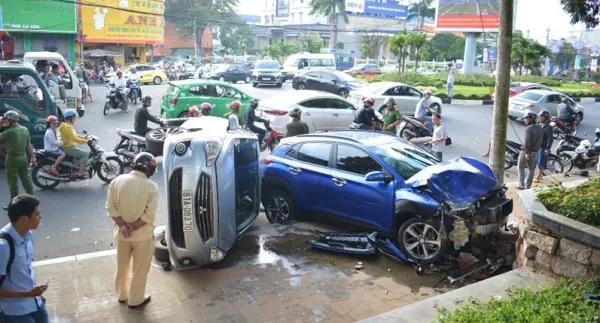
(547, 36)
(500, 117)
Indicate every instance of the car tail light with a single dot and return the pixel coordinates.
(173, 101)
(511, 93)
(531, 107)
(276, 112)
(267, 161)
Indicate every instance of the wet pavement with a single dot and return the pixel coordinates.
(271, 275)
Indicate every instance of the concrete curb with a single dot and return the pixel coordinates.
(491, 102)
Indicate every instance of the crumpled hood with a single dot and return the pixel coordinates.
(459, 182)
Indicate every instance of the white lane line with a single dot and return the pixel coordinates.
(61, 260)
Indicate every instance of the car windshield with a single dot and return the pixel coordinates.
(405, 158)
(270, 65)
(292, 61)
(374, 87)
(172, 90)
(534, 97)
(344, 77)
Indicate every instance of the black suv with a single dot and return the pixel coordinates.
(233, 74)
(329, 81)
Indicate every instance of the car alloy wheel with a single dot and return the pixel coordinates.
(157, 80)
(279, 207)
(343, 93)
(247, 80)
(162, 133)
(222, 79)
(422, 239)
(301, 86)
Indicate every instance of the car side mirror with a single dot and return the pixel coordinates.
(378, 177)
(334, 81)
(62, 92)
(281, 67)
(39, 95)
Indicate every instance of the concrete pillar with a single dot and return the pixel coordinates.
(71, 41)
(469, 58)
(27, 42)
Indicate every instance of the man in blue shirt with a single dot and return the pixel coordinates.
(20, 299)
(422, 109)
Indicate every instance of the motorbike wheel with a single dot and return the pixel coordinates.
(135, 100)
(114, 166)
(555, 165)
(43, 183)
(106, 108)
(566, 161)
(508, 161)
(134, 149)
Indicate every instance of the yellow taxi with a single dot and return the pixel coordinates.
(147, 73)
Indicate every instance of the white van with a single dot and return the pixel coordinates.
(307, 61)
(70, 80)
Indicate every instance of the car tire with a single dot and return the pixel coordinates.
(279, 85)
(279, 206)
(183, 115)
(254, 84)
(301, 86)
(222, 79)
(157, 80)
(161, 251)
(343, 93)
(248, 79)
(434, 233)
(155, 139)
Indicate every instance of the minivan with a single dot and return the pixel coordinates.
(307, 61)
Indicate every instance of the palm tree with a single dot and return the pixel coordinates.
(398, 44)
(331, 9)
(421, 9)
(416, 41)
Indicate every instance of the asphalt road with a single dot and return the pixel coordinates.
(74, 219)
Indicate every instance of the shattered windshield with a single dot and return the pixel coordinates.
(406, 159)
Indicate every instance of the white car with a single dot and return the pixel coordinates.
(320, 110)
(538, 100)
(406, 96)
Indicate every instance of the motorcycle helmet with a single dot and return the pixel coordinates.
(369, 100)
(544, 113)
(565, 99)
(296, 113)
(145, 162)
(529, 115)
(133, 69)
(254, 103)
(11, 116)
(146, 99)
(52, 119)
(193, 111)
(427, 92)
(390, 100)
(205, 108)
(236, 105)
(119, 72)
(70, 114)
(597, 132)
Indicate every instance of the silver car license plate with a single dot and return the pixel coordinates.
(266, 78)
(186, 204)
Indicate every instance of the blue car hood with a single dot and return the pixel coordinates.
(459, 182)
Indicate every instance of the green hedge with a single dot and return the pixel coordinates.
(581, 203)
(559, 302)
(439, 80)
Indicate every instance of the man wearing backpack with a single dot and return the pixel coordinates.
(21, 299)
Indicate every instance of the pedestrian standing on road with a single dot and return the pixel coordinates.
(18, 147)
(528, 156)
(21, 299)
(450, 83)
(391, 116)
(131, 203)
(296, 127)
(547, 141)
(438, 140)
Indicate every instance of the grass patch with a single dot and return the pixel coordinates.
(561, 301)
(581, 203)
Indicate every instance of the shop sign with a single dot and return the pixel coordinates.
(40, 16)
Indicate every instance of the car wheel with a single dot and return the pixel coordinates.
(161, 251)
(279, 207)
(343, 93)
(157, 80)
(279, 85)
(301, 86)
(183, 115)
(247, 80)
(222, 79)
(422, 240)
(155, 139)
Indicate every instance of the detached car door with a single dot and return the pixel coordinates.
(353, 198)
(316, 113)
(247, 194)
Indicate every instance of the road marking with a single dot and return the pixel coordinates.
(84, 256)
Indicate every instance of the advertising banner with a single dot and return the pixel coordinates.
(123, 21)
(39, 16)
(594, 65)
(468, 15)
(282, 8)
(355, 6)
(578, 62)
(390, 10)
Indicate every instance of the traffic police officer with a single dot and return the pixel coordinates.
(18, 146)
(391, 116)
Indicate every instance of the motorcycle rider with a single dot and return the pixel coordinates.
(542, 157)
(205, 109)
(391, 116)
(296, 127)
(565, 113)
(193, 112)
(363, 119)
(527, 157)
(134, 76)
(142, 116)
(235, 110)
(422, 110)
(71, 139)
(120, 83)
(251, 118)
(52, 144)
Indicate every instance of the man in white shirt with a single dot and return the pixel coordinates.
(438, 140)
(134, 76)
(422, 109)
(120, 83)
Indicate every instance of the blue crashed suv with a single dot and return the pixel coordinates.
(384, 183)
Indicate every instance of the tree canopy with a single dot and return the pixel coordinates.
(583, 11)
(236, 37)
(420, 10)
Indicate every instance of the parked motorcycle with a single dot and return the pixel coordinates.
(134, 91)
(130, 145)
(106, 164)
(271, 138)
(585, 156)
(411, 128)
(558, 127)
(114, 100)
(511, 158)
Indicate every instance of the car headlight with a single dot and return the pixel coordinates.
(212, 148)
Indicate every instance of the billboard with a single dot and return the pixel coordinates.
(282, 8)
(468, 15)
(104, 22)
(39, 16)
(375, 8)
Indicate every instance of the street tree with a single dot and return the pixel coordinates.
(528, 54)
(398, 45)
(191, 17)
(236, 36)
(330, 9)
(417, 41)
(444, 46)
(566, 54)
(311, 42)
(372, 42)
(582, 11)
(421, 9)
(364, 50)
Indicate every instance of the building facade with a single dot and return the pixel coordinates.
(178, 45)
(39, 25)
(119, 31)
